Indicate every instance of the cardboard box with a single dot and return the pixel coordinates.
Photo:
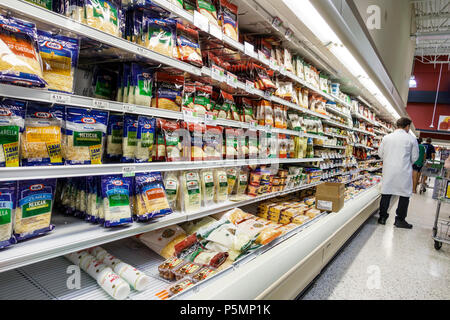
(330, 196)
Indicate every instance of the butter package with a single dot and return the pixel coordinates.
(12, 122)
(7, 213)
(151, 200)
(42, 136)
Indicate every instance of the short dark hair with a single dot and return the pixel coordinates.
(429, 140)
(403, 122)
(419, 140)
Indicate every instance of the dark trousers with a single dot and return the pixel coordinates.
(402, 209)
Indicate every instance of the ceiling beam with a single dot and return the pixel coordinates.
(432, 16)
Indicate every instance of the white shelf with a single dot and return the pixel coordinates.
(331, 147)
(359, 116)
(338, 112)
(342, 102)
(359, 145)
(335, 135)
(337, 124)
(364, 131)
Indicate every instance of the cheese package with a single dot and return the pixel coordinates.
(202, 98)
(228, 19)
(116, 192)
(114, 133)
(163, 241)
(190, 5)
(84, 138)
(188, 95)
(231, 179)
(145, 139)
(186, 270)
(203, 273)
(241, 183)
(300, 219)
(179, 286)
(34, 208)
(129, 140)
(267, 235)
(104, 15)
(207, 186)
(230, 142)
(172, 141)
(160, 36)
(140, 89)
(41, 139)
(190, 195)
(7, 213)
(208, 9)
(209, 258)
(12, 115)
(221, 185)
(104, 83)
(246, 233)
(236, 216)
(168, 91)
(20, 62)
(247, 110)
(191, 227)
(172, 187)
(178, 3)
(194, 152)
(47, 4)
(188, 45)
(59, 56)
(151, 200)
(212, 143)
(168, 266)
(91, 200)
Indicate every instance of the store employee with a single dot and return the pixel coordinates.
(398, 150)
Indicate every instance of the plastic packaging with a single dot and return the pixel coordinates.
(129, 141)
(151, 200)
(179, 286)
(173, 146)
(191, 197)
(168, 91)
(208, 9)
(168, 266)
(202, 99)
(12, 114)
(228, 18)
(221, 185)
(161, 36)
(7, 213)
(208, 187)
(114, 133)
(145, 139)
(116, 200)
(203, 273)
(104, 15)
(186, 270)
(188, 45)
(163, 241)
(172, 188)
(141, 86)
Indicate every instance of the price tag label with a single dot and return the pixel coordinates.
(210, 119)
(218, 73)
(249, 49)
(262, 57)
(276, 23)
(59, 98)
(129, 171)
(129, 108)
(249, 86)
(267, 95)
(190, 115)
(102, 104)
(268, 128)
(288, 34)
(231, 80)
(200, 21)
(215, 31)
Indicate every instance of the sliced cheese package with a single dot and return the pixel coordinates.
(116, 192)
(84, 136)
(151, 200)
(114, 134)
(34, 208)
(242, 182)
(12, 115)
(145, 139)
(59, 60)
(207, 186)
(42, 136)
(104, 15)
(163, 241)
(212, 143)
(190, 195)
(129, 141)
(172, 187)
(20, 62)
(7, 213)
(231, 179)
(221, 185)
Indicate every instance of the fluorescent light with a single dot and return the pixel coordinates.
(347, 59)
(412, 82)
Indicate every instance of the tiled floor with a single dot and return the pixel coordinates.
(383, 262)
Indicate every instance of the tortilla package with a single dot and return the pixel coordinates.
(12, 114)
(116, 192)
(151, 200)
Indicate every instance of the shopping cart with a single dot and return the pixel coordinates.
(441, 228)
(431, 169)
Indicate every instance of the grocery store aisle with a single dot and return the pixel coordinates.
(383, 262)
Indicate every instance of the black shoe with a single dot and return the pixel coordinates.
(403, 224)
(382, 220)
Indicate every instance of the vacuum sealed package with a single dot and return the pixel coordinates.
(20, 62)
(12, 122)
(84, 136)
(104, 15)
(34, 208)
(208, 9)
(163, 241)
(145, 139)
(191, 197)
(203, 273)
(59, 60)
(228, 14)
(186, 270)
(191, 227)
(7, 213)
(179, 286)
(221, 185)
(230, 144)
(202, 99)
(129, 141)
(242, 182)
(140, 91)
(114, 133)
(168, 91)
(207, 186)
(172, 187)
(42, 136)
(231, 179)
(116, 192)
(188, 45)
(151, 200)
(174, 149)
(160, 35)
(196, 130)
(212, 143)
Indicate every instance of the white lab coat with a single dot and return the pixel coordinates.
(398, 150)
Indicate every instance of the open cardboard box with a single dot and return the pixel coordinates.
(330, 196)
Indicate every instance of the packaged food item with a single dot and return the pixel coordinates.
(34, 208)
(190, 5)
(231, 179)
(188, 95)
(209, 258)
(178, 3)
(145, 139)
(202, 100)
(84, 136)
(267, 235)
(159, 153)
(59, 56)
(241, 183)
(230, 144)
(186, 270)
(228, 14)
(7, 213)
(247, 110)
(116, 191)
(161, 36)
(168, 91)
(140, 90)
(207, 186)
(300, 219)
(168, 266)
(114, 133)
(47, 4)
(104, 15)
(41, 140)
(104, 82)
(12, 115)
(151, 200)
(191, 197)
(163, 241)
(194, 152)
(312, 213)
(203, 273)
(179, 286)
(173, 146)
(188, 45)
(20, 62)
(129, 140)
(172, 186)
(191, 227)
(221, 185)
(212, 143)
(208, 9)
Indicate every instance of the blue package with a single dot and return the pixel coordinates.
(130, 128)
(7, 208)
(116, 191)
(114, 134)
(12, 115)
(145, 139)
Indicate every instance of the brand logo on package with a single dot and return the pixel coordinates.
(117, 182)
(36, 187)
(5, 112)
(87, 120)
(42, 115)
(147, 126)
(53, 45)
(9, 28)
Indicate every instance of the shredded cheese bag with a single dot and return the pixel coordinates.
(212, 143)
(104, 15)
(116, 200)
(190, 5)
(196, 131)
(188, 45)
(228, 19)
(84, 136)
(12, 114)
(221, 184)
(151, 199)
(208, 187)
(129, 141)
(20, 62)
(202, 99)
(208, 9)
(140, 91)
(174, 149)
(168, 91)
(34, 208)
(114, 133)
(104, 83)
(145, 139)
(190, 194)
(59, 60)
(42, 137)
(7, 209)
(172, 187)
(161, 36)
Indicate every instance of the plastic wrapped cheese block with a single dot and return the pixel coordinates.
(163, 241)
(7, 210)
(172, 186)
(191, 197)
(221, 185)
(116, 200)
(208, 188)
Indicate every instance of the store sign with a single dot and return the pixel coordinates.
(444, 123)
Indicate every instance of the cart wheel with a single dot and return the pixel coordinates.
(437, 245)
